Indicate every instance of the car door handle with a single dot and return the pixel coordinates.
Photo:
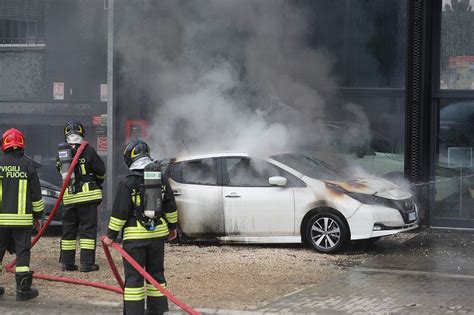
(176, 193)
(232, 195)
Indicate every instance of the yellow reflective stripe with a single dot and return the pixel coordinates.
(84, 194)
(68, 244)
(38, 206)
(87, 243)
(139, 200)
(100, 177)
(15, 216)
(22, 196)
(134, 294)
(16, 219)
(22, 269)
(90, 198)
(144, 235)
(91, 195)
(116, 224)
(154, 292)
(83, 169)
(172, 217)
(16, 223)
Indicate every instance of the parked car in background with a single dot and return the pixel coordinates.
(288, 198)
(50, 181)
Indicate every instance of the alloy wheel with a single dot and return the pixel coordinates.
(325, 233)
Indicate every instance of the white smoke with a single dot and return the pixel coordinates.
(230, 75)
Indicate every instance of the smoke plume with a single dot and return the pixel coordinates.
(231, 75)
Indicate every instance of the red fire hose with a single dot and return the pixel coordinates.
(124, 254)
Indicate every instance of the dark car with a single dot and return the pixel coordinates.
(50, 181)
(50, 193)
(456, 128)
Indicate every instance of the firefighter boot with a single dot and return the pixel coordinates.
(89, 267)
(24, 291)
(2, 291)
(156, 305)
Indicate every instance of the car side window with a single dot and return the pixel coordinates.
(198, 172)
(247, 172)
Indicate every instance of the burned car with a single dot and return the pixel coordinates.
(288, 198)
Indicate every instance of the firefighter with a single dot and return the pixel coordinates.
(80, 203)
(144, 243)
(21, 208)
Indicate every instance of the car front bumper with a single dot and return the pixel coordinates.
(376, 221)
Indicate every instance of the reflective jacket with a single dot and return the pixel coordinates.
(20, 191)
(89, 173)
(126, 200)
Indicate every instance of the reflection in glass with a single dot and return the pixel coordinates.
(457, 45)
(455, 168)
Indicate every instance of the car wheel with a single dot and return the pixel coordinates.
(326, 232)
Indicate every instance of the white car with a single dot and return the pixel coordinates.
(289, 198)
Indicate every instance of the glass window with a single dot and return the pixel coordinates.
(457, 45)
(454, 193)
(199, 172)
(249, 173)
(367, 40)
(22, 23)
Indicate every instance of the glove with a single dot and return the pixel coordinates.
(37, 224)
(173, 234)
(107, 241)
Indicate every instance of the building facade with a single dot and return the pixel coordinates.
(408, 64)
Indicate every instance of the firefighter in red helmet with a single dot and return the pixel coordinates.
(21, 208)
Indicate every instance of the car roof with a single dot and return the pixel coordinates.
(209, 156)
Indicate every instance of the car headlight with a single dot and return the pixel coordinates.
(49, 192)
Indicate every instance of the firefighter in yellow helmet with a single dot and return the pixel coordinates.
(21, 208)
(145, 209)
(80, 201)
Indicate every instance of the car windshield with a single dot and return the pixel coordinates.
(309, 166)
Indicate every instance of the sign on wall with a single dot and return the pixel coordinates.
(102, 145)
(58, 91)
(103, 92)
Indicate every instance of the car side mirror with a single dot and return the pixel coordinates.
(277, 181)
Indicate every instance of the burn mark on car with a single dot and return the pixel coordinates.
(351, 186)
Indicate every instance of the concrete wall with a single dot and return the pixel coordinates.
(22, 75)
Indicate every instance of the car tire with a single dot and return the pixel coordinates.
(326, 232)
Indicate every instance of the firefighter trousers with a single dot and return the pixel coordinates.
(79, 219)
(150, 255)
(19, 241)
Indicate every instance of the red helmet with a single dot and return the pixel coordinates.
(13, 138)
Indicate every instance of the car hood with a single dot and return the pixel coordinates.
(373, 186)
